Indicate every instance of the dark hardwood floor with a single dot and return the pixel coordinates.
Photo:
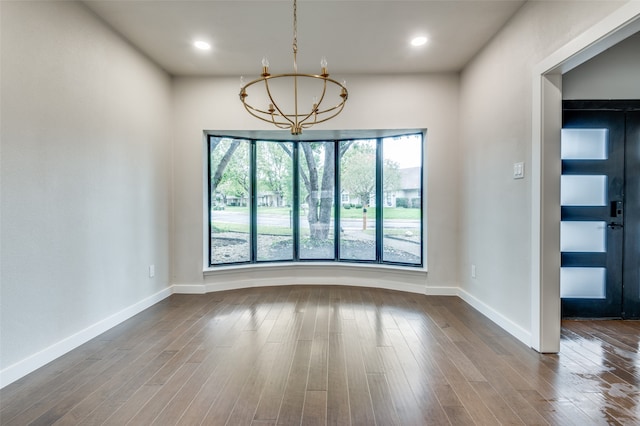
(317, 355)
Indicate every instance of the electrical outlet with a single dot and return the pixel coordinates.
(473, 271)
(152, 271)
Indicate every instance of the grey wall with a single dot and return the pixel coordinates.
(496, 131)
(613, 74)
(375, 102)
(85, 172)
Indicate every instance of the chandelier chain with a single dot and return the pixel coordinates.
(295, 35)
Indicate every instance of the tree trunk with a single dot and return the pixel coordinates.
(326, 192)
(321, 194)
(217, 177)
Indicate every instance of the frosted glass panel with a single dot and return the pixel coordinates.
(583, 236)
(583, 283)
(584, 144)
(583, 190)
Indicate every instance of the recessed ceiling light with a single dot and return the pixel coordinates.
(419, 41)
(202, 45)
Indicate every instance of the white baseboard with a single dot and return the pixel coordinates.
(39, 359)
(503, 322)
(237, 285)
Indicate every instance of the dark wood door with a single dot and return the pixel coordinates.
(600, 228)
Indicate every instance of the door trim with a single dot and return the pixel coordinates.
(545, 166)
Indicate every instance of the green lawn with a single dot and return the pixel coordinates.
(353, 213)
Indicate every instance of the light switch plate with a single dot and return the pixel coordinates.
(518, 170)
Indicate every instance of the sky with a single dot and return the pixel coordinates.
(406, 153)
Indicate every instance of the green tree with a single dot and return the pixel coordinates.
(358, 172)
(274, 169)
(231, 175)
(230, 167)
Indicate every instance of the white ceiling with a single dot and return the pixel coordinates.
(356, 36)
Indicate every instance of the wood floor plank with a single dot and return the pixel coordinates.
(290, 412)
(249, 352)
(419, 380)
(360, 404)
(331, 355)
(383, 408)
(405, 402)
(247, 402)
(337, 393)
(315, 408)
(288, 325)
(175, 409)
(149, 411)
(498, 406)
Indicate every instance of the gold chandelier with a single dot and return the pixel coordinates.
(290, 116)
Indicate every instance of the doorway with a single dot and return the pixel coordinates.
(600, 209)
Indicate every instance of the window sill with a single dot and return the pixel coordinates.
(311, 264)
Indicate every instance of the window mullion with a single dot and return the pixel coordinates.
(337, 201)
(209, 190)
(296, 202)
(379, 200)
(253, 201)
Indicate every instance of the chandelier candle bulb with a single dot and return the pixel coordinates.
(323, 67)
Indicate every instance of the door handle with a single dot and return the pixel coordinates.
(614, 225)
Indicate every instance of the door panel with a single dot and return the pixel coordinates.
(591, 239)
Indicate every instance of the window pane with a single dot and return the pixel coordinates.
(402, 185)
(583, 190)
(229, 185)
(583, 236)
(274, 179)
(316, 186)
(583, 283)
(584, 144)
(358, 185)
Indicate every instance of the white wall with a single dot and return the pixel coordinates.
(375, 102)
(613, 74)
(495, 132)
(85, 169)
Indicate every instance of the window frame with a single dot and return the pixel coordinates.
(208, 266)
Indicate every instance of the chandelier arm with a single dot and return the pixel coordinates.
(281, 125)
(276, 106)
(314, 112)
(339, 107)
(333, 108)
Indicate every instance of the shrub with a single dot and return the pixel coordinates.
(415, 203)
(402, 202)
(346, 206)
